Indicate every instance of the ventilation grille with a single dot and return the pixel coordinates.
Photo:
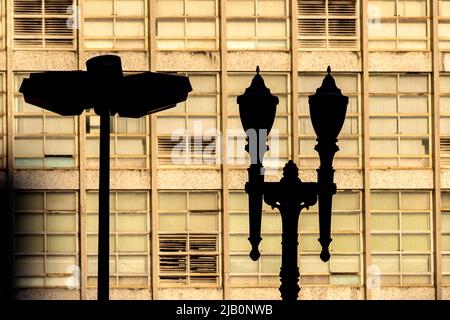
(445, 151)
(186, 150)
(43, 23)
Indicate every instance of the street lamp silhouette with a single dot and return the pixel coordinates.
(104, 88)
(257, 109)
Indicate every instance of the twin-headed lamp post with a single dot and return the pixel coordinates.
(257, 109)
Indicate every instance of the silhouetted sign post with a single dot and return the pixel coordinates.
(104, 88)
(257, 109)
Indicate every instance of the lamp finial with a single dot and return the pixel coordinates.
(328, 70)
(257, 69)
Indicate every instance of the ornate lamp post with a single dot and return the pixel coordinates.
(257, 108)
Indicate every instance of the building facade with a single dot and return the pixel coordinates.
(179, 216)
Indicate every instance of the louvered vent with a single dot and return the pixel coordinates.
(188, 258)
(327, 24)
(43, 24)
(445, 151)
(188, 150)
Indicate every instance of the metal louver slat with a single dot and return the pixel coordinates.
(311, 7)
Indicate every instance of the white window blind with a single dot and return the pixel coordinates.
(328, 24)
(189, 238)
(349, 140)
(257, 24)
(42, 139)
(399, 108)
(401, 231)
(188, 133)
(399, 25)
(115, 24)
(43, 24)
(187, 25)
(46, 238)
(129, 238)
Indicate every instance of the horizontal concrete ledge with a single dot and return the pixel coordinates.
(401, 179)
(37, 60)
(347, 61)
(190, 294)
(121, 179)
(400, 61)
(188, 61)
(189, 179)
(46, 179)
(266, 60)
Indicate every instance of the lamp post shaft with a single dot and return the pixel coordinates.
(103, 210)
(289, 273)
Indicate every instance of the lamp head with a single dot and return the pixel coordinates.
(327, 108)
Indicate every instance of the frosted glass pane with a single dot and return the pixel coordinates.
(201, 104)
(59, 125)
(272, 7)
(60, 264)
(98, 7)
(132, 243)
(129, 28)
(132, 265)
(238, 222)
(61, 201)
(271, 222)
(98, 27)
(172, 222)
(238, 201)
(311, 264)
(241, 28)
(380, 104)
(387, 263)
(413, 104)
(413, 125)
(239, 243)
(309, 243)
(172, 201)
(29, 125)
(61, 243)
(413, 83)
(130, 146)
(28, 147)
(345, 222)
(203, 83)
(240, 7)
(383, 147)
(412, 8)
(414, 146)
(203, 222)
(242, 264)
(384, 201)
(203, 201)
(381, 8)
(29, 201)
(132, 201)
(29, 265)
(383, 29)
(59, 147)
(345, 243)
(309, 222)
(169, 7)
(201, 28)
(201, 125)
(416, 263)
(345, 264)
(270, 264)
(384, 221)
(29, 244)
(201, 7)
(170, 28)
(383, 84)
(130, 7)
(383, 126)
(170, 125)
(415, 221)
(385, 242)
(444, 83)
(309, 84)
(413, 242)
(412, 29)
(29, 222)
(132, 223)
(271, 244)
(346, 201)
(61, 223)
(415, 201)
(271, 28)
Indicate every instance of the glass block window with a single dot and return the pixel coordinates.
(400, 122)
(115, 24)
(444, 106)
(46, 239)
(344, 267)
(129, 240)
(445, 236)
(401, 237)
(42, 139)
(444, 25)
(279, 137)
(349, 139)
(43, 24)
(328, 24)
(257, 24)
(2, 121)
(189, 238)
(128, 141)
(188, 133)
(187, 24)
(399, 25)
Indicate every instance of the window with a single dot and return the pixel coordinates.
(189, 238)
(188, 133)
(2, 23)
(401, 224)
(349, 139)
(445, 236)
(187, 24)
(399, 25)
(46, 238)
(128, 141)
(444, 25)
(42, 139)
(328, 24)
(257, 24)
(444, 106)
(344, 267)
(279, 137)
(115, 24)
(43, 24)
(2, 121)
(129, 260)
(399, 109)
